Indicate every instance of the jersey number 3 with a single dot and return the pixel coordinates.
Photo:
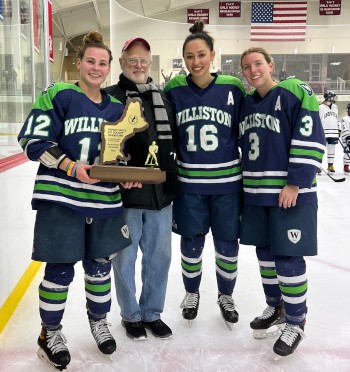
(254, 146)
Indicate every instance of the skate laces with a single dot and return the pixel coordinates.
(267, 313)
(227, 302)
(190, 301)
(100, 331)
(55, 341)
(290, 333)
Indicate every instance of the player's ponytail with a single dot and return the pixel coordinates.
(197, 32)
(93, 39)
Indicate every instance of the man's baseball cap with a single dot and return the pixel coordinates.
(129, 42)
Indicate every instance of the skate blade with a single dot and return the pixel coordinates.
(229, 325)
(278, 357)
(44, 358)
(108, 357)
(272, 332)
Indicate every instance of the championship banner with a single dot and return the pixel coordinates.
(330, 7)
(49, 8)
(194, 15)
(229, 9)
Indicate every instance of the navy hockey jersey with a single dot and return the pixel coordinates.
(282, 142)
(63, 115)
(208, 160)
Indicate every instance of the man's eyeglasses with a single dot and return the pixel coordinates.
(135, 61)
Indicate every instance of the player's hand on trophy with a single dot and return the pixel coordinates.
(82, 174)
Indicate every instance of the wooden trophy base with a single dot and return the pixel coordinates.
(115, 173)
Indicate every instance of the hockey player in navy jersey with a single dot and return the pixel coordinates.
(207, 107)
(282, 144)
(329, 118)
(345, 139)
(78, 218)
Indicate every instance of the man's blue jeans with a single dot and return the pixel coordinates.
(151, 231)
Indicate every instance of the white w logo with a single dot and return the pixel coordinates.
(125, 231)
(294, 235)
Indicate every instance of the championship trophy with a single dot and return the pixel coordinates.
(113, 137)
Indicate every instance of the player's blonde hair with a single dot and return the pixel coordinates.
(260, 50)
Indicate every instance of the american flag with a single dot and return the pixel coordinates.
(278, 21)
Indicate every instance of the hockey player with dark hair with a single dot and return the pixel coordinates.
(345, 139)
(329, 118)
(207, 108)
(78, 218)
(282, 144)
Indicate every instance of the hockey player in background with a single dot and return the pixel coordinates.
(329, 118)
(282, 144)
(345, 139)
(207, 108)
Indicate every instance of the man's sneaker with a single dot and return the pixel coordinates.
(271, 317)
(135, 330)
(330, 168)
(158, 328)
(52, 348)
(105, 341)
(346, 169)
(289, 339)
(228, 310)
(190, 306)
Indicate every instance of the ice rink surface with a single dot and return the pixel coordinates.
(209, 346)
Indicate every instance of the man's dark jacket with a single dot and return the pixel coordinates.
(154, 197)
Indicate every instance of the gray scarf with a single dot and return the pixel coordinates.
(160, 114)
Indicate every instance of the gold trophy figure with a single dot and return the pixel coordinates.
(114, 136)
(152, 157)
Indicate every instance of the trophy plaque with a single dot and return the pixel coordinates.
(113, 137)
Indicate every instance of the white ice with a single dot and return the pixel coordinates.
(209, 346)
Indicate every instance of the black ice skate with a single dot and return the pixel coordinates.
(228, 310)
(190, 306)
(52, 349)
(105, 341)
(289, 340)
(270, 323)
